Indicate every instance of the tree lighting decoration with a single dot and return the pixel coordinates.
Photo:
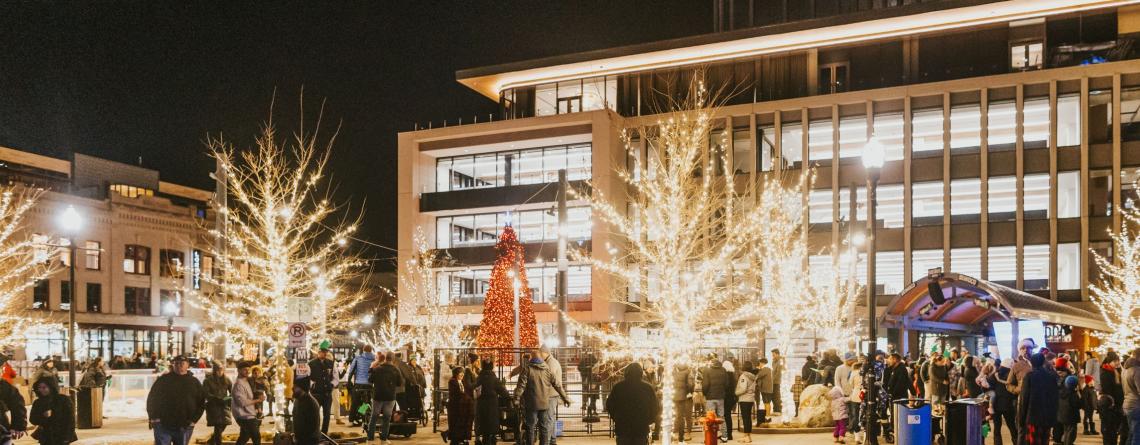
(389, 336)
(277, 235)
(689, 239)
(23, 262)
(434, 325)
(508, 277)
(1118, 294)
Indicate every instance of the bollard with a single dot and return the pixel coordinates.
(712, 427)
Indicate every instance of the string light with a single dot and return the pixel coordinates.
(508, 277)
(23, 263)
(1118, 293)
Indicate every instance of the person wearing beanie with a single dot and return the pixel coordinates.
(306, 414)
(217, 387)
(1068, 410)
(1038, 404)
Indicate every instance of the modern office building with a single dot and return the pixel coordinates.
(1010, 130)
(139, 257)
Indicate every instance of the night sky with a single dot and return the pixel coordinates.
(150, 79)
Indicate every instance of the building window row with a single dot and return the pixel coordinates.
(1001, 261)
(533, 226)
(106, 342)
(927, 201)
(570, 96)
(515, 167)
(927, 129)
(469, 287)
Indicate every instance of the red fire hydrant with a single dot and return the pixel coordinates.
(712, 427)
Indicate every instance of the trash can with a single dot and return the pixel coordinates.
(964, 422)
(89, 408)
(912, 423)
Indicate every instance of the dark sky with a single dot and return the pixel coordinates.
(151, 79)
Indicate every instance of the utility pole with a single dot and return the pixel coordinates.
(221, 224)
(562, 262)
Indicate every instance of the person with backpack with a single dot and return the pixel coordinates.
(487, 393)
(385, 379)
(361, 389)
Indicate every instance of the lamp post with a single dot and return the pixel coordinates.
(170, 309)
(873, 162)
(71, 222)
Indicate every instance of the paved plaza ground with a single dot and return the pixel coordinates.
(134, 431)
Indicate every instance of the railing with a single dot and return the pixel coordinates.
(453, 123)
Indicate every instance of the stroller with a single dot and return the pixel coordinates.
(414, 405)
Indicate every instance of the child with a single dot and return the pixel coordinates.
(1109, 419)
(1088, 399)
(259, 385)
(1069, 410)
(838, 413)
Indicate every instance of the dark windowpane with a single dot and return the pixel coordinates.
(94, 297)
(40, 295)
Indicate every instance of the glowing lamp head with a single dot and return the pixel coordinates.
(170, 309)
(367, 319)
(70, 221)
(859, 239)
(874, 155)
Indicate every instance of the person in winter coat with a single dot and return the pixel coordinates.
(838, 413)
(52, 413)
(175, 403)
(1037, 405)
(970, 375)
(322, 375)
(714, 386)
(632, 405)
(217, 388)
(1130, 380)
(260, 385)
(1068, 410)
(778, 367)
(1088, 405)
(729, 397)
(896, 379)
(855, 398)
(361, 389)
(384, 378)
(746, 396)
(244, 404)
(95, 376)
(1110, 418)
(683, 387)
(533, 392)
(47, 369)
(460, 410)
(488, 391)
(765, 386)
(306, 414)
(1112, 384)
(809, 373)
(556, 370)
(1003, 404)
(9, 373)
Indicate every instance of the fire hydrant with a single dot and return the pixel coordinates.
(712, 427)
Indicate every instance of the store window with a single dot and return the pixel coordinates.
(922, 261)
(927, 203)
(926, 130)
(92, 254)
(136, 300)
(1068, 194)
(136, 259)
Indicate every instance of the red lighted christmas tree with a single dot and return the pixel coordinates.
(498, 327)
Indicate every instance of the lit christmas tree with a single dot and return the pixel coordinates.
(507, 277)
(1118, 295)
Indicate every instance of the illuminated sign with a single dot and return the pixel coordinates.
(196, 268)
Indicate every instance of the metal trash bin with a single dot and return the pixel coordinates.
(89, 408)
(964, 420)
(912, 422)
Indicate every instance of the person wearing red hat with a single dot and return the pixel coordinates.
(1088, 400)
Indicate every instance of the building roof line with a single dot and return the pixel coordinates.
(489, 82)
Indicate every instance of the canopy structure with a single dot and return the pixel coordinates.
(972, 305)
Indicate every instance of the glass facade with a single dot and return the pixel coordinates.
(533, 226)
(515, 167)
(469, 287)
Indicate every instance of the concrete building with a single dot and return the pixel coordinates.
(138, 256)
(1010, 130)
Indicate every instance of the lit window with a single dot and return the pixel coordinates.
(1068, 194)
(965, 199)
(743, 155)
(922, 261)
(1026, 56)
(1002, 198)
(820, 140)
(1036, 123)
(40, 295)
(966, 261)
(889, 206)
(65, 252)
(889, 272)
(860, 204)
(131, 191)
(791, 144)
(92, 253)
(926, 128)
(136, 260)
(1036, 262)
(1002, 125)
(1002, 262)
(1068, 121)
(966, 126)
(767, 136)
(40, 247)
(927, 203)
(889, 130)
(819, 206)
(1069, 266)
(1036, 196)
(531, 225)
(852, 136)
(172, 262)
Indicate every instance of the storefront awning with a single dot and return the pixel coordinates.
(972, 305)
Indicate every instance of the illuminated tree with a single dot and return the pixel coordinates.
(434, 325)
(1118, 294)
(508, 277)
(689, 240)
(279, 242)
(22, 263)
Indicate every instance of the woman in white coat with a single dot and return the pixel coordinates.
(746, 397)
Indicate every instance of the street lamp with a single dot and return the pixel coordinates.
(873, 158)
(71, 222)
(170, 309)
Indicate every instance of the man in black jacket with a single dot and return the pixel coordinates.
(1003, 403)
(306, 414)
(322, 375)
(1037, 406)
(13, 403)
(175, 403)
(386, 379)
(632, 405)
